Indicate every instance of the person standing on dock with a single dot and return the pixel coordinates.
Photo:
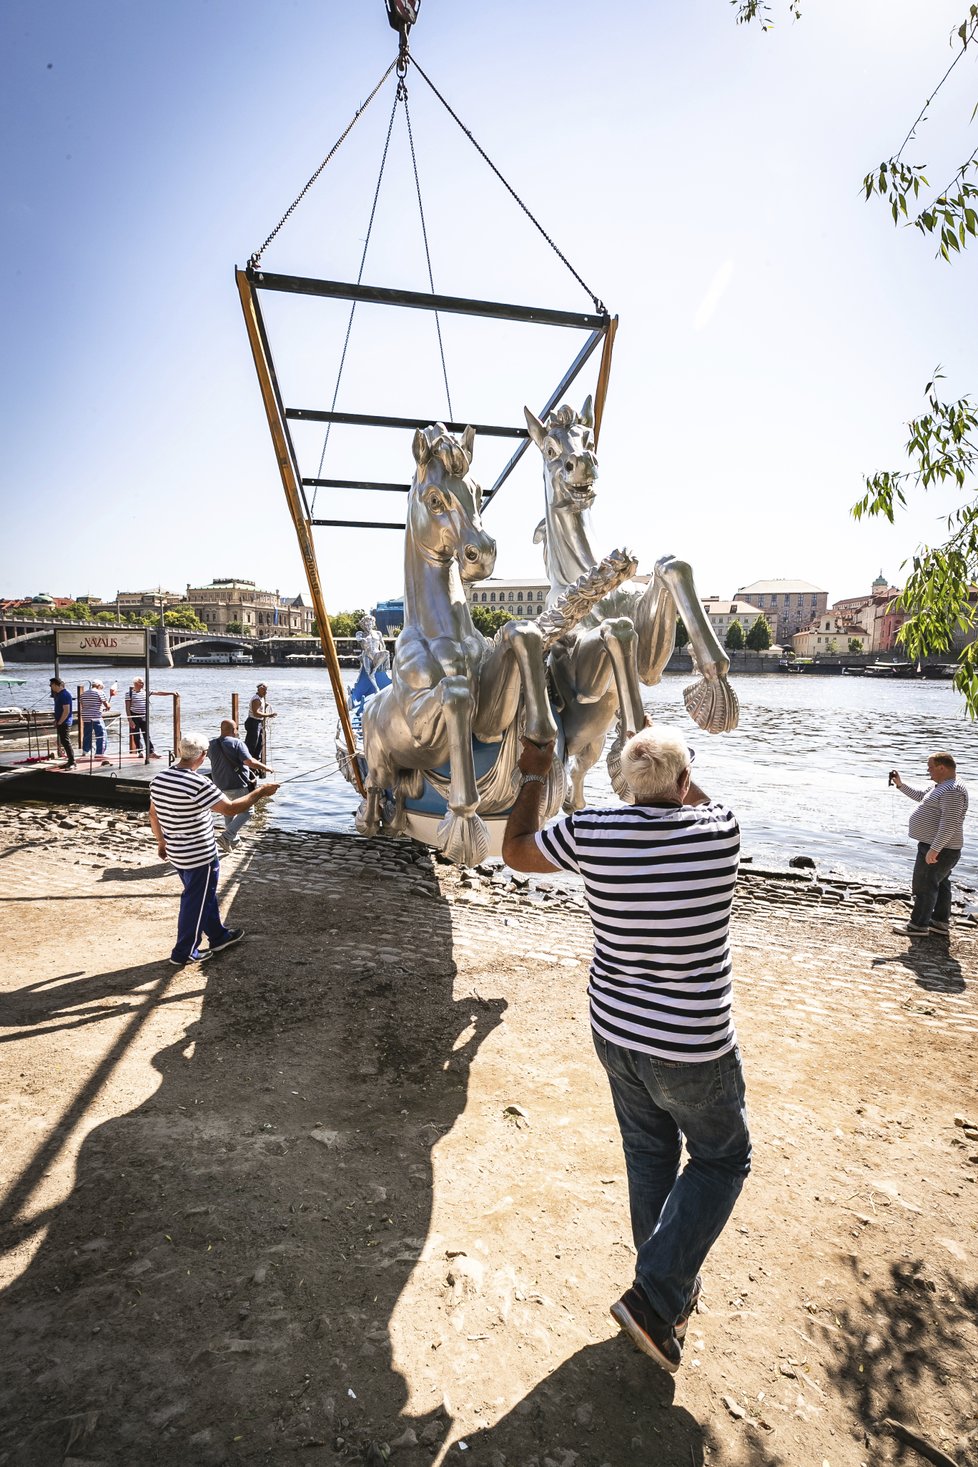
(93, 706)
(136, 712)
(181, 801)
(230, 762)
(659, 878)
(938, 828)
(63, 719)
(258, 714)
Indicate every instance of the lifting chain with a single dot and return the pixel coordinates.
(254, 261)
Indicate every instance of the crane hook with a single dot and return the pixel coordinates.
(402, 15)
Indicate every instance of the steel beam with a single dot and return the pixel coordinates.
(381, 295)
(361, 524)
(357, 484)
(373, 420)
(295, 498)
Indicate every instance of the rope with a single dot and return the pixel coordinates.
(427, 252)
(255, 260)
(353, 307)
(598, 303)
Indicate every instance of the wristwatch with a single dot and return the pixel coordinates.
(533, 779)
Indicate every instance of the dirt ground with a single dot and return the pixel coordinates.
(284, 1209)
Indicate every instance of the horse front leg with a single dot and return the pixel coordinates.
(464, 836)
(712, 702)
(515, 665)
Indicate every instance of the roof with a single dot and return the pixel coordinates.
(778, 588)
(717, 607)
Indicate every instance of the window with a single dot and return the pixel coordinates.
(492, 596)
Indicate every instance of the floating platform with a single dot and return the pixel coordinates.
(122, 785)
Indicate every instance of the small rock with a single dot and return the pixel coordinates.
(407, 1438)
(807, 863)
(734, 1408)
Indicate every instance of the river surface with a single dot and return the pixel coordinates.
(806, 771)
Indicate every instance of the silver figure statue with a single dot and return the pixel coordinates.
(449, 683)
(629, 636)
(374, 656)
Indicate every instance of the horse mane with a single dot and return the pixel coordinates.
(439, 444)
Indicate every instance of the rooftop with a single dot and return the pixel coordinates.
(778, 588)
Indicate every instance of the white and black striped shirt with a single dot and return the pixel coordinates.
(183, 800)
(659, 881)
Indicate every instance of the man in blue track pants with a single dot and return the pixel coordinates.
(181, 802)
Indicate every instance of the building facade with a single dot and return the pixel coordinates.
(794, 604)
(831, 635)
(521, 597)
(229, 604)
(722, 613)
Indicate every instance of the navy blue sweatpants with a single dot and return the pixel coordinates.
(198, 911)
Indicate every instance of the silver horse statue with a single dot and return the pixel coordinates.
(630, 635)
(450, 684)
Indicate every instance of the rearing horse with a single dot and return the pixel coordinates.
(630, 635)
(449, 683)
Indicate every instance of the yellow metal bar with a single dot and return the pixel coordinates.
(604, 377)
(290, 483)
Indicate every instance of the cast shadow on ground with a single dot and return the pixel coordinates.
(136, 873)
(910, 1339)
(220, 1281)
(931, 962)
(219, 1284)
(75, 1000)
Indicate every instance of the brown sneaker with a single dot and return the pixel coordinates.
(649, 1331)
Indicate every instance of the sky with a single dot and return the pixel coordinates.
(776, 331)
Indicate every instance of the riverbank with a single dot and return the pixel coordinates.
(354, 1189)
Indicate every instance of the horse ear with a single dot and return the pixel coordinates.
(540, 533)
(587, 412)
(420, 448)
(468, 442)
(537, 431)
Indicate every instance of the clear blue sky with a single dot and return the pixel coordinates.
(776, 331)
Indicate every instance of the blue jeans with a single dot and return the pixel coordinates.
(677, 1216)
(198, 911)
(233, 823)
(932, 886)
(97, 727)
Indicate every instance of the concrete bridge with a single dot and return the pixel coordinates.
(20, 631)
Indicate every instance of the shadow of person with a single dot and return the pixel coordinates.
(222, 1276)
(608, 1404)
(931, 962)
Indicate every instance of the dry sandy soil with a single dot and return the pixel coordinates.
(282, 1209)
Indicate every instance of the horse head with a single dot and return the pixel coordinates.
(566, 441)
(445, 502)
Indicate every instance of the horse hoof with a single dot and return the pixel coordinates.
(464, 839)
(712, 704)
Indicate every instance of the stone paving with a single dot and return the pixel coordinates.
(849, 965)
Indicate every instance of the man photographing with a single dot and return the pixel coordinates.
(659, 878)
(938, 828)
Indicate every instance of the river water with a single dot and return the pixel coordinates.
(806, 771)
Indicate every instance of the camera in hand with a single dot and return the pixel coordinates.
(894, 776)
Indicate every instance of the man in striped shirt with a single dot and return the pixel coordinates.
(136, 710)
(659, 878)
(181, 801)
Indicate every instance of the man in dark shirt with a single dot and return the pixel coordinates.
(230, 761)
(63, 719)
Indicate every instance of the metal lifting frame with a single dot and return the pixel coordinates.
(600, 326)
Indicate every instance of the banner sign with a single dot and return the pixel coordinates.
(94, 645)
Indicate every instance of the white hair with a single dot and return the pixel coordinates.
(192, 744)
(654, 760)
